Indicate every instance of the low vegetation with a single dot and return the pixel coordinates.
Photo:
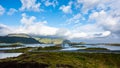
(62, 60)
(95, 49)
(79, 46)
(117, 44)
(79, 43)
(49, 48)
(49, 40)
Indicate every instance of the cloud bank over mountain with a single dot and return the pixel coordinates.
(81, 19)
(29, 25)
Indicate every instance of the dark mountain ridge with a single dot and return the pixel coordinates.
(18, 38)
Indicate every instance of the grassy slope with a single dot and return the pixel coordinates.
(48, 48)
(68, 59)
(95, 49)
(48, 40)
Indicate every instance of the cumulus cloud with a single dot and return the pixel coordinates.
(27, 20)
(30, 5)
(106, 21)
(2, 10)
(4, 29)
(75, 19)
(90, 5)
(49, 3)
(103, 16)
(67, 8)
(30, 26)
(78, 35)
(11, 11)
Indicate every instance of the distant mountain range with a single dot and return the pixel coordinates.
(18, 38)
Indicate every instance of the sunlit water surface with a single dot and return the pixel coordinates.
(5, 55)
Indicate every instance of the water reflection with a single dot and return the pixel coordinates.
(102, 46)
(10, 48)
(38, 45)
(25, 45)
(66, 46)
(6, 55)
(71, 48)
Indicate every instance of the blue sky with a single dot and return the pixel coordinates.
(71, 19)
(52, 14)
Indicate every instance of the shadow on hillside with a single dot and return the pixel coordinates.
(13, 64)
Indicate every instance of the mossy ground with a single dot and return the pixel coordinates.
(49, 48)
(95, 49)
(67, 60)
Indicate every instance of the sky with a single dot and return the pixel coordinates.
(84, 20)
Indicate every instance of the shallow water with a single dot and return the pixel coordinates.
(10, 48)
(71, 48)
(25, 45)
(102, 46)
(38, 45)
(7, 55)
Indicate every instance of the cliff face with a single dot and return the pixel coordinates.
(16, 39)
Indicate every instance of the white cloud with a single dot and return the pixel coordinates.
(88, 28)
(4, 29)
(53, 3)
(106, 21)
(74, 19)
(27, 20)
(68, 8)
(30, 26)
(30, 5)
(11, 11)
(103, 16)
(77, 35)
(114, 6)
(2, 10)
(40, 29)
(106, 33)
(91, 4)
